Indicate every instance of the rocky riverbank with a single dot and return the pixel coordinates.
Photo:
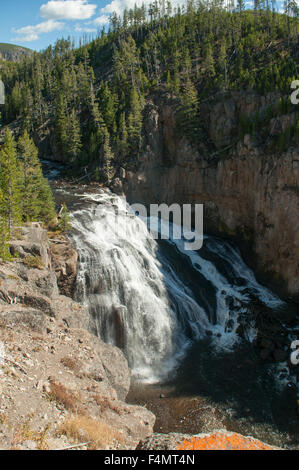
(60, 385)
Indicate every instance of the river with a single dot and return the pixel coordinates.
(183, 320)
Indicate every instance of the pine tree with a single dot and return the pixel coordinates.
(108, 103)
(46, 201)
(64, 219)
(106, 158)
(209, 60)
(223, 62)
(134, 121)
(187, 113)
(37, 200)
(122, 145)
(4, 235)
(10, 178)
(73, 132)
(61, 122)
(31, 173)
(216, 45)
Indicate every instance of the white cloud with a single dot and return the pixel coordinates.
(119, 6)
(101, 20)
(32, 33)
(85, 29)
(96, 23)
(68, 10)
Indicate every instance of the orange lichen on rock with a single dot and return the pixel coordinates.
(223, 441)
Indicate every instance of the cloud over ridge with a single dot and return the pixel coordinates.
(32, 33)
(68, 10)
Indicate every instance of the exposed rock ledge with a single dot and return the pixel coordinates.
(52, 369)
(216, 440)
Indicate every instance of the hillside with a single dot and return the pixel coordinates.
(88, 104)
(197, 92)
(100, 323)
(12, 52)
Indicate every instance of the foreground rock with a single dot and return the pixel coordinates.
(216, 440)
(59, 385)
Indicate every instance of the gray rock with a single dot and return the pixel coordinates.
(72, 314)
(32, 318)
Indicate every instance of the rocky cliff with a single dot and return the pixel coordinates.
(60, 385)
(249, 187)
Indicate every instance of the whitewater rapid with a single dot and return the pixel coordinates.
(153, 298)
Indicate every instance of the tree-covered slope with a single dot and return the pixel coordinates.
(90, 101)
(12, 52)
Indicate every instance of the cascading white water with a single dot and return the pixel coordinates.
(152, 299)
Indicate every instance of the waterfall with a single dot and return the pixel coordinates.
(152, 298)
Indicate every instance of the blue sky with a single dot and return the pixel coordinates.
(38, 23)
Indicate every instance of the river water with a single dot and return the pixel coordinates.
(178, 316)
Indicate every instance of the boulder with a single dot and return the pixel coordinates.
(33, 241)
(13, 315)
(216, 440)
(115, 365)
(64, 263)
(70, 313)
(117, 186)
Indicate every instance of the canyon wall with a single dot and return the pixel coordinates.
(251, 194)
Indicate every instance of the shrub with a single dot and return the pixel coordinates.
(24, 432)
(33, 261)
(70, 363)
(96, 433)
(106, 403)
(68, 399)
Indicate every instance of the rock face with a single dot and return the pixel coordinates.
(53, 371)
(64, 259)
(217, 440)
(32, 240)
(250, 194)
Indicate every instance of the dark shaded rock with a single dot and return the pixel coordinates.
(266, 344)
(117, 186)
(280, 355)
(118, 324)
(265, 354)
